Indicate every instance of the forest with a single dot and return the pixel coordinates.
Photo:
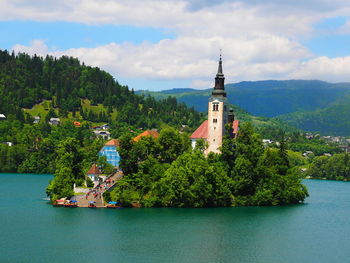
(167, 172)
(64, 85)
(336, 167)
(26, 81)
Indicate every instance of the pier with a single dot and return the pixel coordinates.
(95, 195)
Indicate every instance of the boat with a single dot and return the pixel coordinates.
(59, 202)
(113, 204)
(71, 203)
(92, 204)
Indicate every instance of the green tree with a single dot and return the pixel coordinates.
(68, 169)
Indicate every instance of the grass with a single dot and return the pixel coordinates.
(43, 108)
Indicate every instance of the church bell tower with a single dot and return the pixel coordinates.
(217, 112)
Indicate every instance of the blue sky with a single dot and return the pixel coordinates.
(167, 44)
(65, 35)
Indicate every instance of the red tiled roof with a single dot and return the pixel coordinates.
(94, 170)
(113, 142)
(151, 133)
(201, 132)
(235, 126)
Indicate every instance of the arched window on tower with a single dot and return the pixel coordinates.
(215, 107)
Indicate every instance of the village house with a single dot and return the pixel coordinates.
(8, 143)
(307, 153)
(106, 135)
(77, 124)
(105, 127)
(94, 173)
(36, 119)
(101, 127)
(345, 148)
(54, 121)
(110, 150)
(152, 133)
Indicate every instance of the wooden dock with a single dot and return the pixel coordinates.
(96, 194)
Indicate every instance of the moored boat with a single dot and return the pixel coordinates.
(113, 205)
(71, 203)
(92, 204)
(59, 202)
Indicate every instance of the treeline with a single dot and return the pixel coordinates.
(166, 172)
(34, 148)
(336, 167)
(298, 142)
(28, 80)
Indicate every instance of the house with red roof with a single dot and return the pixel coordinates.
(110, 150)
(94, 173)
(151, 133)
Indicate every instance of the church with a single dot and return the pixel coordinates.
(214, 128)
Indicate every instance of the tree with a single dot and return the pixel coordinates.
(171, 145)
(68, 169)
(106, 167)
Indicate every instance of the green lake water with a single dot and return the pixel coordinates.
(31, 230)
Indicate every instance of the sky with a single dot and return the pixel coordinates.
(166, 44)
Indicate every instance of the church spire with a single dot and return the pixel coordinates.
(219, 89)
(220, 65)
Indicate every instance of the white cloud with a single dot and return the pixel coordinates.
(191, 57)
(329, 69)
(37, 46)
(260, 39)
(221, 18)
(173, 59)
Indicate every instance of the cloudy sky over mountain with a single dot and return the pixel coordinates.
(161, 44)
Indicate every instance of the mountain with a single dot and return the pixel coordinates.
(268, 98)
(333, 120)
(65, 87)
(311, 105)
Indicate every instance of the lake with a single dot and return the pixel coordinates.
(34, 231)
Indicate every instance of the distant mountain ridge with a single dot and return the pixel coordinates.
(298, 102)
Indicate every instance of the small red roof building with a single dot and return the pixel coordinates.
(77, 124)
(151, 133)
(235, 127)
(94, 170)
(202, 131)
(113, 142)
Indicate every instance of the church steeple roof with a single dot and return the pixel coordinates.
(220, 65)
(219, 88)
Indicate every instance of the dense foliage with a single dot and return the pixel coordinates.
(167, 172)
(34, 148)
(336, 167)
(26, 81)
(332, 120)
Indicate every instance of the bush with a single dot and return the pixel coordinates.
(89, 182)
